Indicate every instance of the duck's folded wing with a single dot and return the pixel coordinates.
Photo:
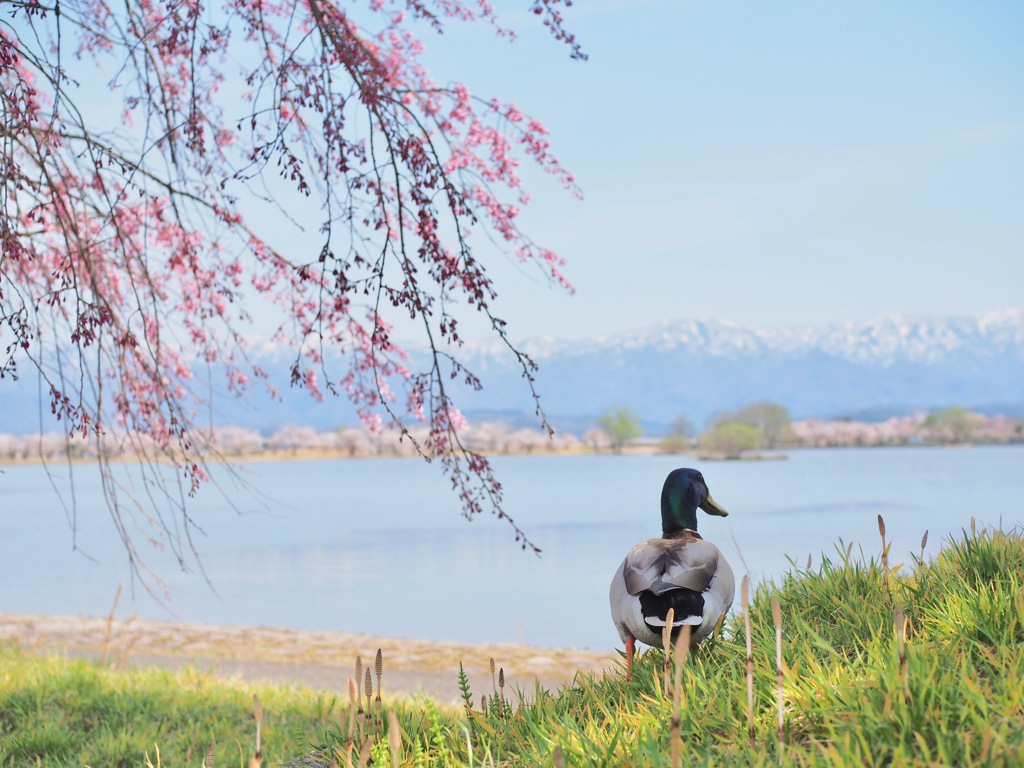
(661, 565)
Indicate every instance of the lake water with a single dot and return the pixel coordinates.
(378, 546)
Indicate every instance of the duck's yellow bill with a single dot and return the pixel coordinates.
(712, 507)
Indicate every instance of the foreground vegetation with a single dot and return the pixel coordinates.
(883, 665)
(56, 711)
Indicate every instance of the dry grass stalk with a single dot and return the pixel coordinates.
(900, 626)
(777, 618)
(558, 757)
(682, 651)
(353, 706)
(885, 558)
(208, 762)
(666, 644)
(808, 561)
(924, 543)
(378, 669)
(745, 599)
(368, 690)
(110, 622)
(501, 691)
(394, 739)
(353, 694)
(367, 748)
(358, 698)
(257, 708)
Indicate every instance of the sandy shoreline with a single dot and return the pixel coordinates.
(323, 660)
(329, 454)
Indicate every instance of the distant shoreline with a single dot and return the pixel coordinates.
(333, 454)
(330, 454)
(753, 456)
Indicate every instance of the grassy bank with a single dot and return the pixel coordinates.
(882, 666)
(64, 712)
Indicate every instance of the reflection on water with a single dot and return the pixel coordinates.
(378, 546)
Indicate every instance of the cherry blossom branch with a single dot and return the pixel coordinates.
(127, 265)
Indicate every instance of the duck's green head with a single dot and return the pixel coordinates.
(684, 491)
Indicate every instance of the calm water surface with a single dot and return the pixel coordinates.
(378, 546)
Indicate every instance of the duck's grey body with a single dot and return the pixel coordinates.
(667, 569)
(680, 571)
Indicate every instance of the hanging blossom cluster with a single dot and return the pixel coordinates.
(134, 138)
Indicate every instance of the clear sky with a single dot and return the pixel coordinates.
(766, 163)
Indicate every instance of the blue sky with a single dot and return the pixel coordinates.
(766, 163)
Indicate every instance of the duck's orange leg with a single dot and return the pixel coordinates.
(630, 651)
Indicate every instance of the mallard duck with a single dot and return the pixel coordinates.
(680, 571)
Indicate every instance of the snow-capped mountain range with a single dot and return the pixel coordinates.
(891, 365)
(889, 339)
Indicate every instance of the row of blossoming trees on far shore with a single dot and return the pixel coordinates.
(230, 441)
(904, 430)
(944, 426)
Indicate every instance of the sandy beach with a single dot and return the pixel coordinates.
(323, 660)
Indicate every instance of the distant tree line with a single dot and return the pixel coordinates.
(755, 427)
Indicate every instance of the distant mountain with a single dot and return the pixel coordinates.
(873, 370)
(884, 367)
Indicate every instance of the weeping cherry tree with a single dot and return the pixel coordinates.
(140, 143)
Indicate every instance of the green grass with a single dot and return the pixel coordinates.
(56, 711)
(956, 699)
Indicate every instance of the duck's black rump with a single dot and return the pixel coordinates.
(687, 604)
